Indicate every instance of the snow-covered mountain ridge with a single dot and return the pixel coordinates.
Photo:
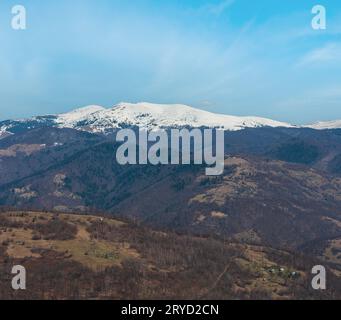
(324, 125)
(145, 115)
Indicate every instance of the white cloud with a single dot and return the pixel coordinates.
(219, 8)
(329, 53)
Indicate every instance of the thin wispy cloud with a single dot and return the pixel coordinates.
(218, 8)
(329, 53)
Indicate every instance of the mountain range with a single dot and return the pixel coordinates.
(281, 187)
(146, 115)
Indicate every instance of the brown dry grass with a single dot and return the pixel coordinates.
(94, 254)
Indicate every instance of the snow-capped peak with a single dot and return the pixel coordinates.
(154, 116)
(71, 119)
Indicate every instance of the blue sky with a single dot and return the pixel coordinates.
(238, 57)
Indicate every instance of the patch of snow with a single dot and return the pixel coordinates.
(57, 144)
(3, 132)
(326, 125)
